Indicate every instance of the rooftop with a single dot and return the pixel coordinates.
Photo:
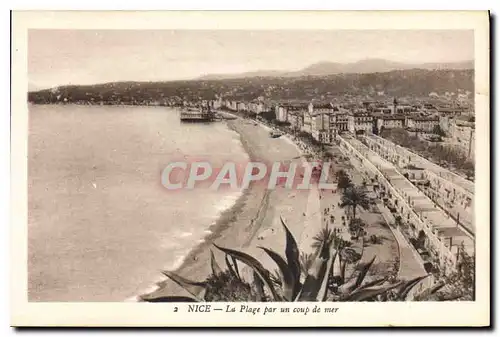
(424, 119)
(391, 117)
(322, 105)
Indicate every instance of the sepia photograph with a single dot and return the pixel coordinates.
(248, 171)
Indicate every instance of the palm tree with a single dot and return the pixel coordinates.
(325, 235)
(340, 173)
(343, 179)
(356, 227)
(353, 197)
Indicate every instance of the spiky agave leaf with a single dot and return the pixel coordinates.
(215, 266)
(335, 273)
(288, 280)
(322, 294)
(318, 272)
(255, 265)
(305, 262)
(343, 265)
(450, 297)
(368, 293)
(259, 288)
(276, 277)
(170, 299)
(196, 289)
(314, 280)
(355, 283)
(376, 282)
(230, 267)
(235, 264)
(362, 274)
(292, 256)
(408, 286)
(424, 295)
(362, 252)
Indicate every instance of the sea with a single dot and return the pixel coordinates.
(101, 226)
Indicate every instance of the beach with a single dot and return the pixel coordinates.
(101, 226)
(166, 230)
(254, 220)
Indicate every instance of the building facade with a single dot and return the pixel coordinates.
(463, 135)
(423, 124)
(390, 122)
(360, 123)
(281, 113)
(317, 108)
(307, 118)
(320, 127)
(256, 107)
(296, 116)
(342, 121)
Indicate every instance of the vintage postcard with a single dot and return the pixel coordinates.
(250, 169)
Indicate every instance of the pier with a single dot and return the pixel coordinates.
(201, 115)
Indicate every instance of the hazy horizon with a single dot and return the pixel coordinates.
(79, 57)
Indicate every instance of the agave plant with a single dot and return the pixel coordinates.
(294, 282)
(404, 293)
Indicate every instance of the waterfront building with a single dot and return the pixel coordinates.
(242, 106)
(231, 105)
(281, 112)
(449, 111)
(318, 108)
(321, 127)
(423, 124)
(256, 107)
(293, 118)
(307, 121)
(341, 121)
(383, 110)
(389, 122)
(296, 115)
(360, 123)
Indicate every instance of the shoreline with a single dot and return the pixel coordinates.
(239, 225)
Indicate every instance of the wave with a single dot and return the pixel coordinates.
(190, 239)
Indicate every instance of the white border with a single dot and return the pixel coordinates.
(351, 314)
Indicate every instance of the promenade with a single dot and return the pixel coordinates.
(459, 201)
(426, 164)
(440, 229)
(410, 263)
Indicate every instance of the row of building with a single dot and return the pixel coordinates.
(441, 236)
(324, 120)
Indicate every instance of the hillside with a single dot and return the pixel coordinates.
(415, 82)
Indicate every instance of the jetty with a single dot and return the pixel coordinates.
(202, 114)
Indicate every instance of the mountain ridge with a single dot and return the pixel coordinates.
(398, 83)
(325, 68)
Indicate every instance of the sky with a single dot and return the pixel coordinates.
(61, 57)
